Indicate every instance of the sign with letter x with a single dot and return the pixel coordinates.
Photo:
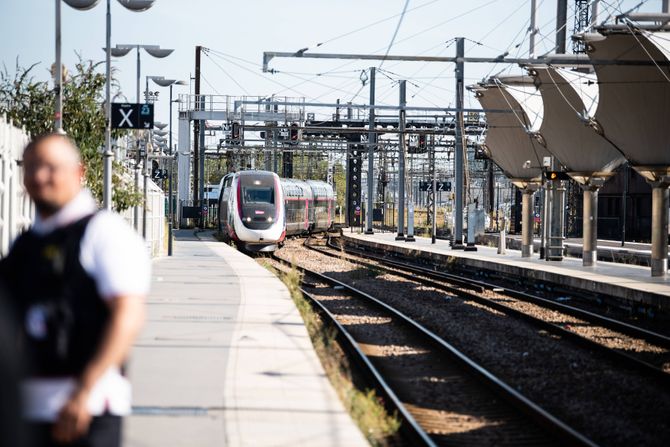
(132, 116)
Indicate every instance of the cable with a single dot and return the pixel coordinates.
(225, 72)
(395, 33)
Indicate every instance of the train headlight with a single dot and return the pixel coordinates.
(248, 219)
(269, 219)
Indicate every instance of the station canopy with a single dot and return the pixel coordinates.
(511, 141)
(570, 99)
(634, 106)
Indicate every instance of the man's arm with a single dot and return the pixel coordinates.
(126, 318)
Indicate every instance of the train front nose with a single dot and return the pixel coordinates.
(258, 216)
(258, 208)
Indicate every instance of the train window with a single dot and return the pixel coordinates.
(258, 194)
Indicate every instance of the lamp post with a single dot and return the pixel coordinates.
(82, 5)
(169, 83)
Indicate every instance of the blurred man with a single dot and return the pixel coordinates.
(78, 279)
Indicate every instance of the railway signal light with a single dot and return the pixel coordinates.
(556, 175)
(235, 133)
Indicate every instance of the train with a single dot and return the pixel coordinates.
(258, 210)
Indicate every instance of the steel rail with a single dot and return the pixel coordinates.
(610, 323)
(623, 358)
(500, 388)
(409, 427)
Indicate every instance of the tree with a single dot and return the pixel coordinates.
(31, 104)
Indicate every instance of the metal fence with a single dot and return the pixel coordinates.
(16, 209)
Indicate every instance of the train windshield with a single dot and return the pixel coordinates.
(259, 194)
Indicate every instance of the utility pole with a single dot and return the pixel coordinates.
(372, 139)
(532, 29)
(561, 23)
(401, 162)
(196, 127)
(459, 151)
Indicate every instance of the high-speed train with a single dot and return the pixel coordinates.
(257, 209)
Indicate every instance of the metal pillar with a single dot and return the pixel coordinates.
(660, 202)
(183, 164)
(532, 29)
(171, 168)
(433, 236)
(556, 221)
(58, 74)
(372, 139)
(546, 218)
(527, 223)
(136, 210)
(561, 23)
(665, 6)
(459, 150)
(590, 226)
(107, 155)
(401, 162)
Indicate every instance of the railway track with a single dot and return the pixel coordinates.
(442, 396)
(600, 329)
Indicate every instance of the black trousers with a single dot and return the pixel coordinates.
(104, 431)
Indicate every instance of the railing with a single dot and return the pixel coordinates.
(16, 209)
(239, 107)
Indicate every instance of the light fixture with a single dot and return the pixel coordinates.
(82, 5)
(137, 5)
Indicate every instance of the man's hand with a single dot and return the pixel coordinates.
(73, 419)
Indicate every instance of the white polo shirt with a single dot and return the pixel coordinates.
(115, 256)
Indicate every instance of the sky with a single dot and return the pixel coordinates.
(238, 32)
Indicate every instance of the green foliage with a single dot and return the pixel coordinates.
(31, 104)
(340, 180)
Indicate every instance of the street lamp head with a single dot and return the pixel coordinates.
(159, 52)
(162, 81)
(180, 83)
(118, 52)
(82, 5)
(137, 5)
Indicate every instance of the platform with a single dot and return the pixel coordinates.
(608, 250)
(632, 283)
(225, 360)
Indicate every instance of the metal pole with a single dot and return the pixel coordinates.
(590, 217)
(624, 199)
(107, 156)
(532, 29)
(401, 163)
(171, 161)
(58, 74)
(145, 188)
(196, 128)
(138, 166)
(561, 19)
(434, 210)
(665, 7)
(372, 138)
(527, 223)
(660, 201)
(594, 12)
(459, 152)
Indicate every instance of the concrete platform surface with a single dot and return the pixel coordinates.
(225, 360)
(628, 282)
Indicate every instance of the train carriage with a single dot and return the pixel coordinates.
(257, 209)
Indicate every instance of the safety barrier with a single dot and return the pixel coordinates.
(16, 209)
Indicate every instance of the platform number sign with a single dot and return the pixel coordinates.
(159, 174)
(440, 186)
(132, 116)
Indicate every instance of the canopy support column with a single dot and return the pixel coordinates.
(527, 223)
(660, 202)
(590, 226)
